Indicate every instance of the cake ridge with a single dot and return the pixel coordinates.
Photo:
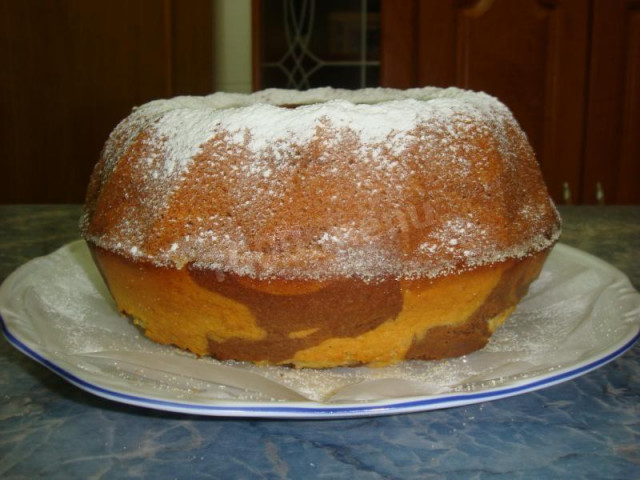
(254, 187)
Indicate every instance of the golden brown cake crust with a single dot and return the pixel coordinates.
(420, 184)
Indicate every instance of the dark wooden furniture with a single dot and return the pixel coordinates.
(568, 69)
(71, 69)
(612, 130)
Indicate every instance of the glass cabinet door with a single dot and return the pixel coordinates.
(303, 44)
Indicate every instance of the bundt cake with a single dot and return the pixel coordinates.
(320, 228)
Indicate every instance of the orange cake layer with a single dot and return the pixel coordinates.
(317, 324)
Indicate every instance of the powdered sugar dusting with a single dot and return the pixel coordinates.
(183, 124)
(365, 183)
(180, 145)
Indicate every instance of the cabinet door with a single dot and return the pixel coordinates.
(612, 153)
(531, 54)
(71, 69)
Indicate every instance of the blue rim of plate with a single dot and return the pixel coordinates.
(310, 410)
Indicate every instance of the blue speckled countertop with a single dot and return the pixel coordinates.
(585, 428)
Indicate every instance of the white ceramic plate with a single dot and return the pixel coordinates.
(581, 314)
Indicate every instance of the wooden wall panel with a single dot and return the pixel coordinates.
(612, 154)
(398, 40)
(72, 69)
(436, 45)
(191, 45)
(256, 35)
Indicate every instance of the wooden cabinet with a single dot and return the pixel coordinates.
(568, 69)
(612, 130)
(72, 69)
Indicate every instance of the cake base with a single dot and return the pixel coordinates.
(317, 324)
